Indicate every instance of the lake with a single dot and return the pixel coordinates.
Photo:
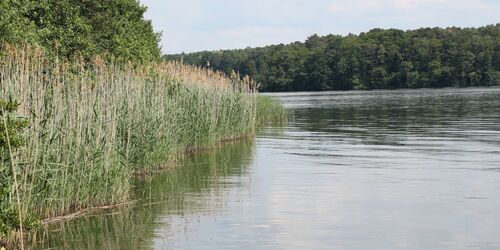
(402, 169)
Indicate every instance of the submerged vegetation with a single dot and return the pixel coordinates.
(86, 128)
(378, 59)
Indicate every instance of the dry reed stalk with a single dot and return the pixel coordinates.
(92, 125)
(14, 174)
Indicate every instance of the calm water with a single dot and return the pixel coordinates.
(414, 169)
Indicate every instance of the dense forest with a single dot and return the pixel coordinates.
(87, 27)
(378, 59)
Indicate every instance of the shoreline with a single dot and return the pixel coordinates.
(141, 174)
(90, 130)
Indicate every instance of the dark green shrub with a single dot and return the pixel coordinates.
(10, 137)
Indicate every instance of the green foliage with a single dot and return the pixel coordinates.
(92, 127)
(270, 111)
(378, 59)
(91, 27)
(13, 129)
(9, 214)
(192, 173)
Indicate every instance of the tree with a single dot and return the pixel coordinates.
(427, 57)
(91, 27)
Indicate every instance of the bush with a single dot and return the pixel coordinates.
(10, 139)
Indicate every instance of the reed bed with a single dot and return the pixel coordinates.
(92, 125)
(270, 111)
(157, 196)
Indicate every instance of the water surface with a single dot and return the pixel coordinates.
(405, 169)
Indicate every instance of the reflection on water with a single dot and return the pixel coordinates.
(196, 187)
(411, 169)
(406, 169)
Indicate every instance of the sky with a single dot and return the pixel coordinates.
(196, 25)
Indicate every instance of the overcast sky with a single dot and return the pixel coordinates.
(195, 25)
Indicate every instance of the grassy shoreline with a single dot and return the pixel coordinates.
(93, 125)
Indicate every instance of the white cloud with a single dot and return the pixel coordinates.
(193, 25)
(364, 6)
(245, 32)
(233, 38)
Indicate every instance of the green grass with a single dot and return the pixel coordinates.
(93, 125)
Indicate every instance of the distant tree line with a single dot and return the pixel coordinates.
(87, 27)
(378, 59)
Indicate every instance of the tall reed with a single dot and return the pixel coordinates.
(92, 125)
(270, 111)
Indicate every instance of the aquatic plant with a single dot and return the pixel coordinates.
(270, 110)
(92, 125)
(11, 127)
(157, 196)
